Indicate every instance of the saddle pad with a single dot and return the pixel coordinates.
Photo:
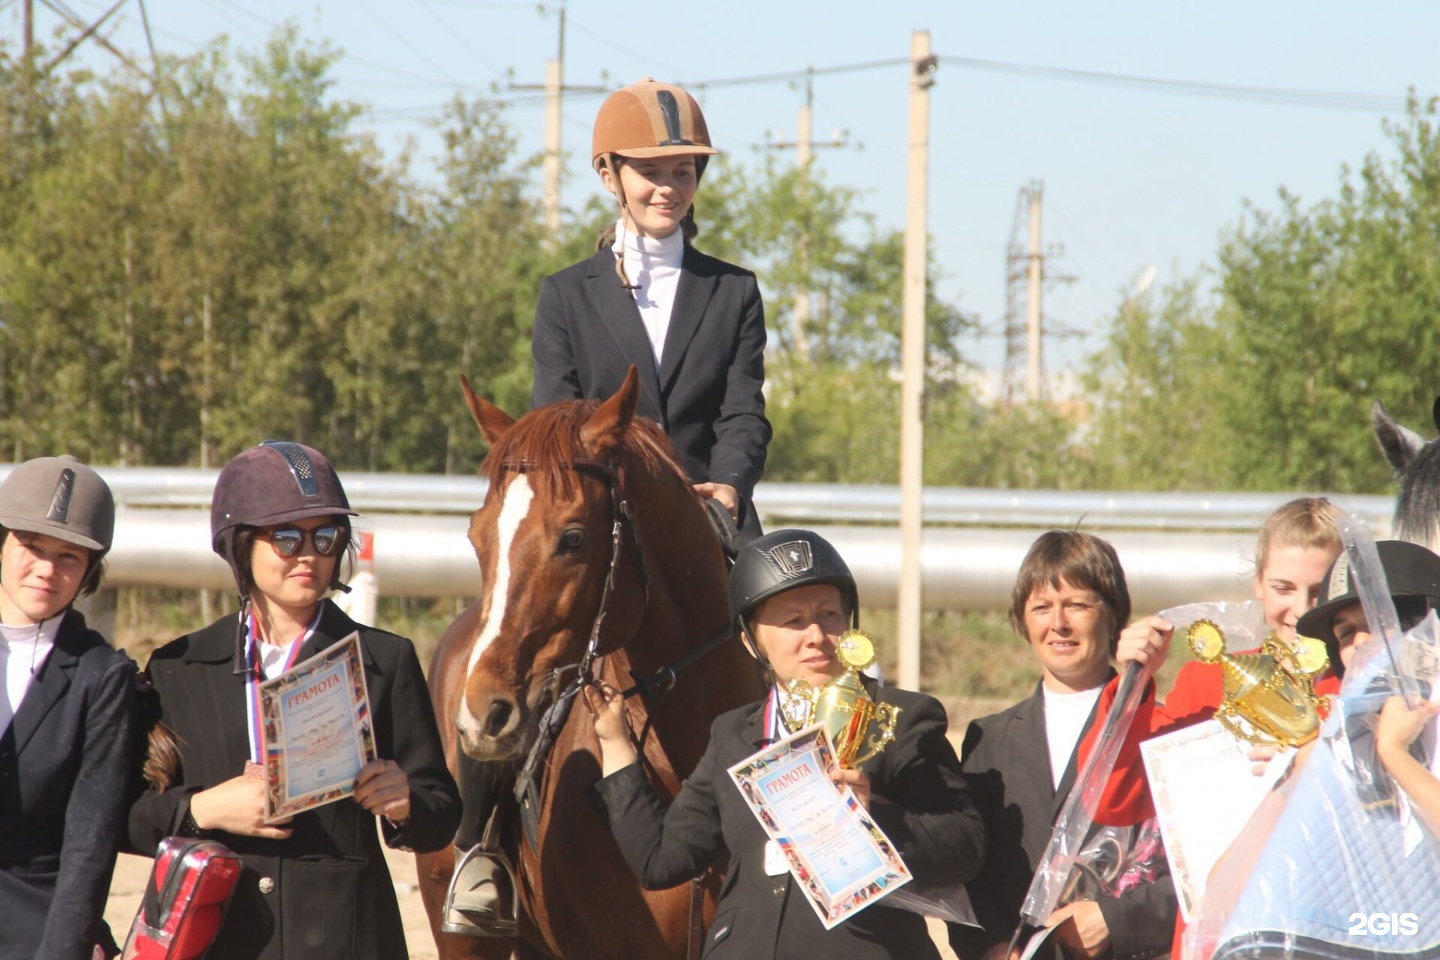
(185, 900)
(1334, 881)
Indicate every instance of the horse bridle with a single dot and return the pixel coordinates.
(558, 711)
(527, 790)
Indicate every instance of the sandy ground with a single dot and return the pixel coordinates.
(132, 872)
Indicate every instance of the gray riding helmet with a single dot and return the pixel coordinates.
(62, 498)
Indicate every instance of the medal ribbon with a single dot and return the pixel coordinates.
(774, 718)
(254, 718)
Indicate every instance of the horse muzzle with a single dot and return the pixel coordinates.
(494, 728)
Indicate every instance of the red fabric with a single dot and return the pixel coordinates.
(188, 922)
(1198, 692)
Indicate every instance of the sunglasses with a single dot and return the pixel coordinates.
(289, 541)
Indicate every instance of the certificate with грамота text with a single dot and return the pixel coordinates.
(317, 730)
(836, 853)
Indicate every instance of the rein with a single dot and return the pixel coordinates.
(553, 720)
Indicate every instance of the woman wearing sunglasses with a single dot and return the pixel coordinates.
(315, 885)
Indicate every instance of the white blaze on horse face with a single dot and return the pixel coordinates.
(513, 511)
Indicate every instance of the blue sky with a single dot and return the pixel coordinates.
(1134, 174)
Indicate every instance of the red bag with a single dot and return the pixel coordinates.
(184, 901)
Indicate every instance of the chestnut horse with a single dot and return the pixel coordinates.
(582, 493)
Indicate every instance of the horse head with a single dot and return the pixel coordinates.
(560, 556)
(1416, 462)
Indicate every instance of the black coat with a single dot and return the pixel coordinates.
(918, 798)
(1006, 758)
(706, 395)
(331, 894)
(64, 769)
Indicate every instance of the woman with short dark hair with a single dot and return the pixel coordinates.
(1069, 604)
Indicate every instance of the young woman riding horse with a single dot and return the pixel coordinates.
(692, 326)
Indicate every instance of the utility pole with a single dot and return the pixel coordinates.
(912, 359)
(1027, 273)
(29, 28)
(805, 144)
(1032, 304)
(554, 87)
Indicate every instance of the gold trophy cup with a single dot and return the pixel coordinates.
(1269, 695)
(843, 707)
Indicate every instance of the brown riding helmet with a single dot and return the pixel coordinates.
(649, 119)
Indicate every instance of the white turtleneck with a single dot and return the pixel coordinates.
(1065, 716)
(654, 266)
(23, 650)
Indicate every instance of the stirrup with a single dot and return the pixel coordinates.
(468, 925)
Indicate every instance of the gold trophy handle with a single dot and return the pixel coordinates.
(886, 716)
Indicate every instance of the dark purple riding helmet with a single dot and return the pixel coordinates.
(273, 483)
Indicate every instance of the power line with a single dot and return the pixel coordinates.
(458, 36)
(404, 42)
(644, 58)
(484, 5)
(800, 74)
(1325, 99)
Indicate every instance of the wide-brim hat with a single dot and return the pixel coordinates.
(1411, 571)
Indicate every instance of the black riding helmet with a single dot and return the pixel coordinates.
(1413, 575)
(781, 561)
(275, 482)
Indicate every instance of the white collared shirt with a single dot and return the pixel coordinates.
(653, 265)
(23, 650)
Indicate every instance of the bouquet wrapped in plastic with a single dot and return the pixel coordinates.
(1335, 865)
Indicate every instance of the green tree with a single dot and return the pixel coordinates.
(833, 393)
(1154, 386)
(1327, 308)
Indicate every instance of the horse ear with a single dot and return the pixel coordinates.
(1435, 413)
(612, 418)
(492, 421)
(1401, 445)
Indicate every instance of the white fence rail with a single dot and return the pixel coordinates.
(1175, 546)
